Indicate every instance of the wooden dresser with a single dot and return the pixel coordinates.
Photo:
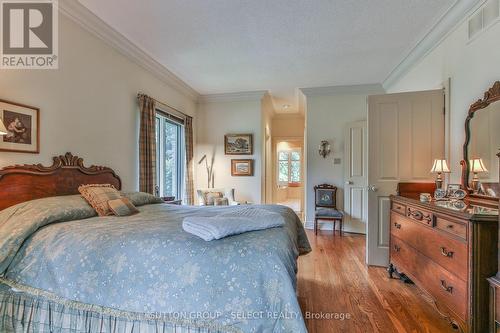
(449, 253)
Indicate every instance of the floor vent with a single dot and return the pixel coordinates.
(487, 15)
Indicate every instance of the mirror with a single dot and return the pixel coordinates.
(483, 144)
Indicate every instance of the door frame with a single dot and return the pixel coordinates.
(347, 148)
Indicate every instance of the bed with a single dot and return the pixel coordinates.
(63, 269)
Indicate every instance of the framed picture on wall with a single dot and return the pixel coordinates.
(22, 123)
(238, 144)
(241, 168)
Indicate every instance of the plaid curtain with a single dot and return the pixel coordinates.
(147, 145)
(188, 130)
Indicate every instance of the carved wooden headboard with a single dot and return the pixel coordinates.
(22, 183)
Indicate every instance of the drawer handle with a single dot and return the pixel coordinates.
(449, 226)
(397, 225)
(445, 253)
(397, 248)
(448, 289)
(419, 216)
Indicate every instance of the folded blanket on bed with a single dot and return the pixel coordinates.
(232, 223)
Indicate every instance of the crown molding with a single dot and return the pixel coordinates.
(359, 89)
(233, 97)
(78, 13)
(445, 25)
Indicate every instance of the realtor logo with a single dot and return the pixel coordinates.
(29, 34)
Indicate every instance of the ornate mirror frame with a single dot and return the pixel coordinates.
(490, 96)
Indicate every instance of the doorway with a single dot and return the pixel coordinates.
(288, 166)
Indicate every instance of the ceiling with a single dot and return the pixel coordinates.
(223, 46)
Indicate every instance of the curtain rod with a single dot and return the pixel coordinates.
(164, 104)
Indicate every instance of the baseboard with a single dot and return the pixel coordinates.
(309, 225)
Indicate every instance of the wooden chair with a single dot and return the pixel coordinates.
(325, 199)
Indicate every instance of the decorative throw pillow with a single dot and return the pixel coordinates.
(211, 196)
(221, 202)
(98, 195)
(141, 198)
(122, 207)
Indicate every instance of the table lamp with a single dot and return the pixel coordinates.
(476, 166)
(440, 167)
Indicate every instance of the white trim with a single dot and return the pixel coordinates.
(359, 89)
(93, 24)
(446, 25)
(328, 226)
(232, 97)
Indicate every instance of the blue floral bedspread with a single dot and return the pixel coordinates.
(147, 264)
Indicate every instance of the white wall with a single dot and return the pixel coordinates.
(217, 118)
(327, 117)
(88, 106)
(473, 67)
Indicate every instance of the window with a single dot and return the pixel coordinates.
(169, 156)
(289, 162)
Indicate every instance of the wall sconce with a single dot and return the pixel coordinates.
(324, 149)
(440, 167)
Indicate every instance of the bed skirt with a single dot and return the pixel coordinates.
(28, 310)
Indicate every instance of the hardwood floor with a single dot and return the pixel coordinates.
(334, 279)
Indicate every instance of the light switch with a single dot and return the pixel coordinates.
(337, 161)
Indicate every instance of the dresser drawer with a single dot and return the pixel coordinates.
(399, 208)
(497, 306)
(420, 215)
(452, 227)
(446, 288)
(447, 251)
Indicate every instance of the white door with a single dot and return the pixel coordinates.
(406, 132)
(356, 177)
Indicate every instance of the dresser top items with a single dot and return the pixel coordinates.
(461, 209)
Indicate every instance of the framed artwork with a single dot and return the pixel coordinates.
(23, 128)
(238, 144)
(241, 168)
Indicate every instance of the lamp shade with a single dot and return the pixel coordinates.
(3, 130)
(440, 166)
(477, 165)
